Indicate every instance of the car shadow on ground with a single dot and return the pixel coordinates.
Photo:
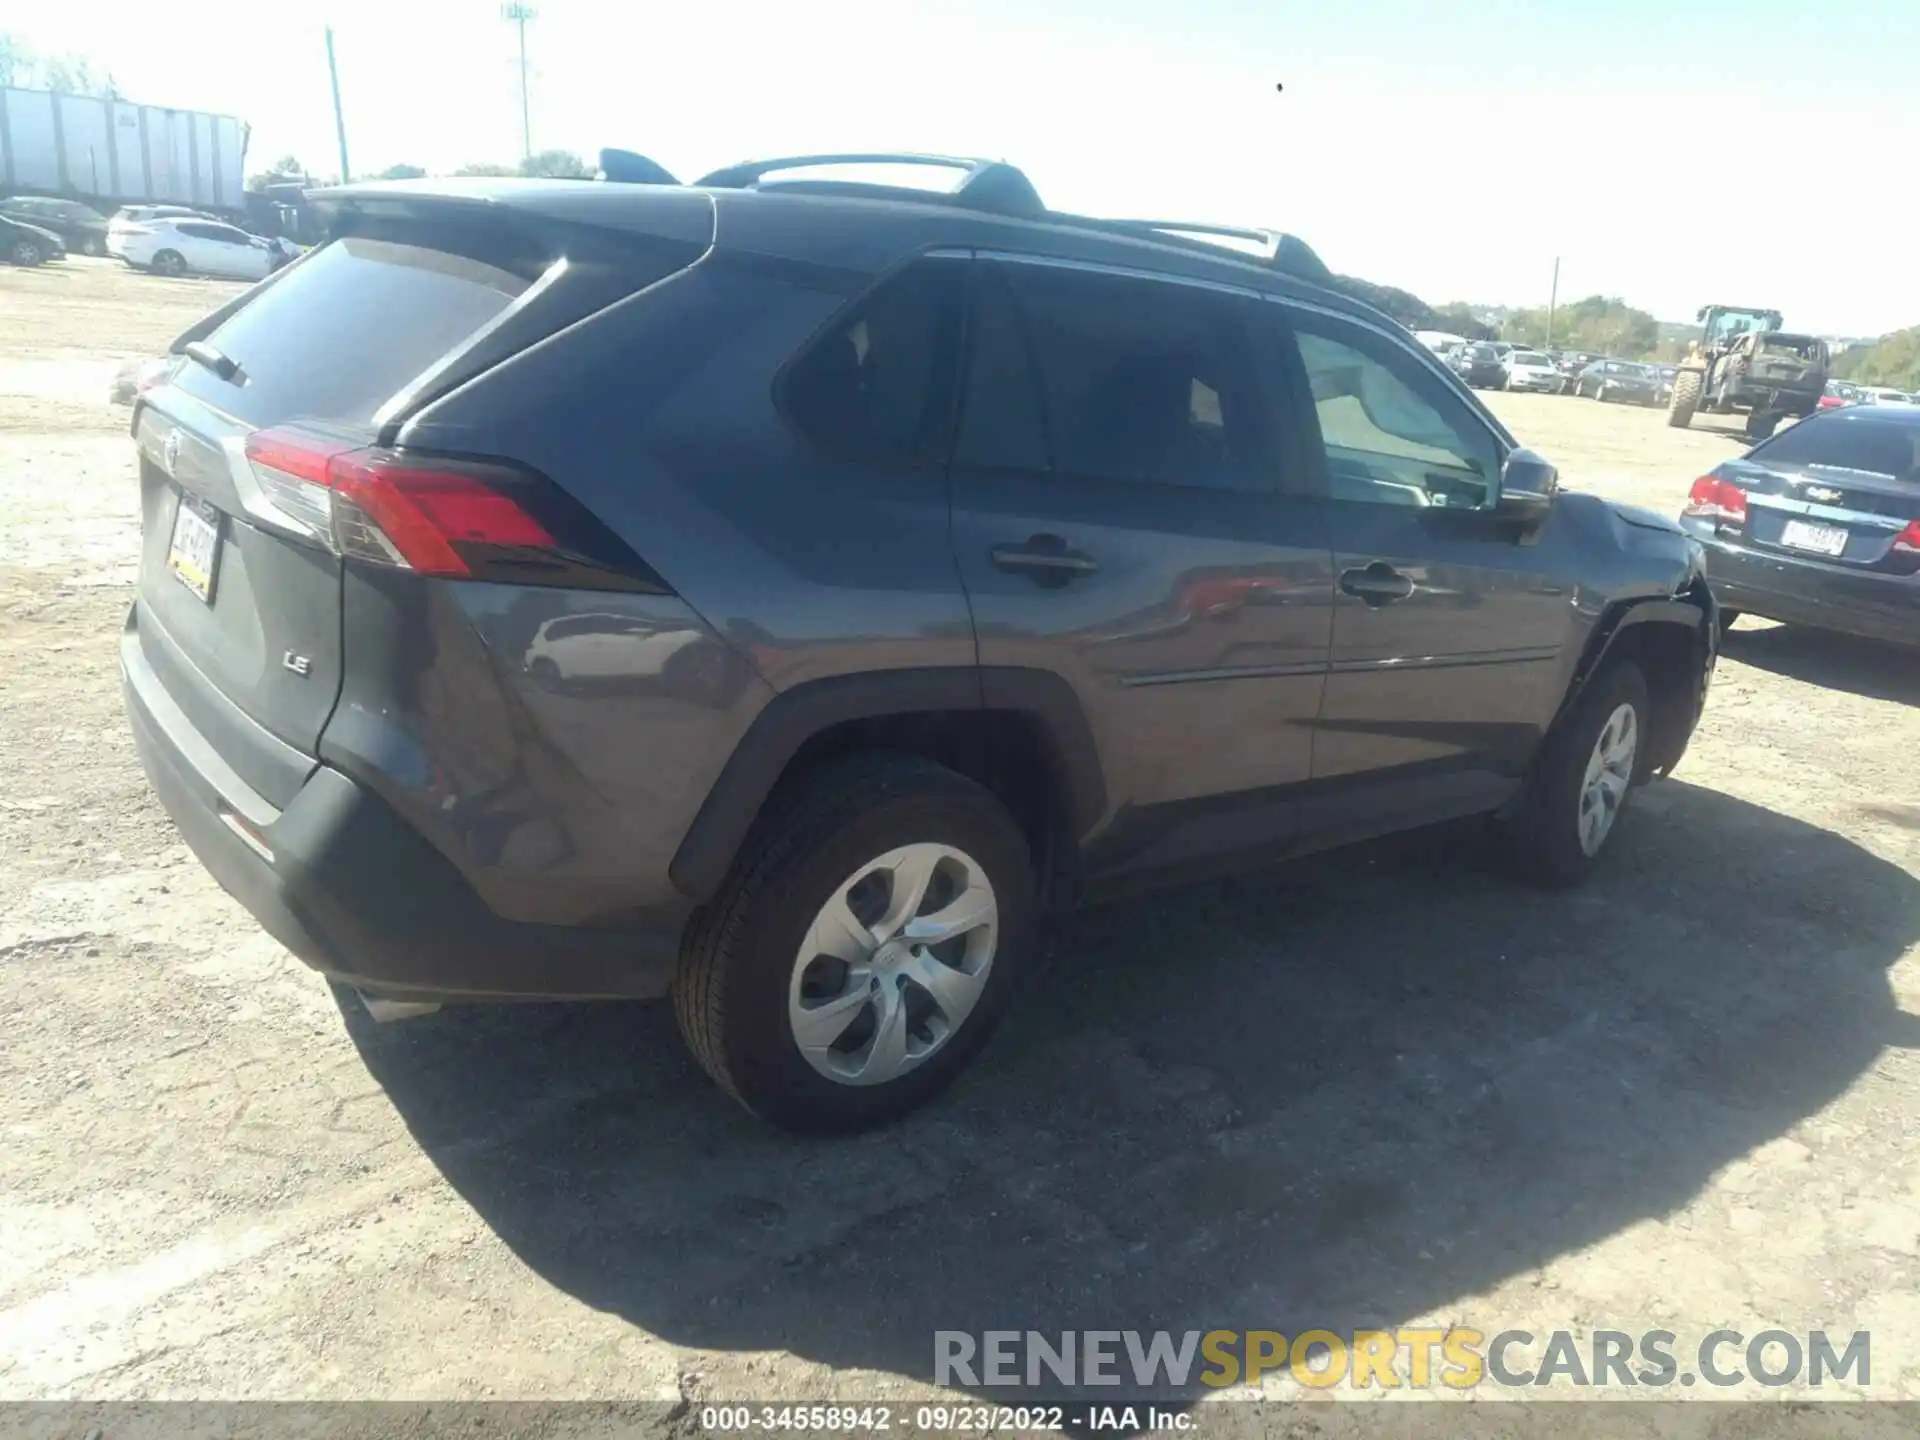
(1341, 1093)
(1870, 668)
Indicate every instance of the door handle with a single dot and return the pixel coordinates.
(1048, 559)
(1378, 584)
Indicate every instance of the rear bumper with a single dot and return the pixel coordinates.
(360, 896)
(1810, 592)
(1760, 395)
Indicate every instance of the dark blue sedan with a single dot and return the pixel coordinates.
(1820, 525)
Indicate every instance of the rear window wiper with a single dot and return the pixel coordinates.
(213, 358)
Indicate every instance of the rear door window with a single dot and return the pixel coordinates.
(1137, 380)
(354, 324)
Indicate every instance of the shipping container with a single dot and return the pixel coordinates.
(110, 152)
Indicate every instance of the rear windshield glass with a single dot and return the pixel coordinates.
(1485, 352)
(1527, 357)
(1798, 345)
(338, 337)
(1849, 440)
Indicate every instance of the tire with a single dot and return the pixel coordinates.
(169, 262)
(1762, 423)
(1685, 399)
(1546, 836)
(1600, 392)
(1727, 617)
(743, 977)
(93, 245)
(25, 253)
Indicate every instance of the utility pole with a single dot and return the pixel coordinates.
(339, 119)
(1553, 297)
(519, 14)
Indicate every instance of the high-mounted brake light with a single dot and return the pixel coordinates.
(458, 518)
(1718, 500)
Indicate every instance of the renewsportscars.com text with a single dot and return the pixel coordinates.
(1409, 1358)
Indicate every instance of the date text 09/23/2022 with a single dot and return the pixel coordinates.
(939, 1419)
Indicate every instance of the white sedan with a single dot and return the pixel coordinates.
(174, 245)
(1530, 370)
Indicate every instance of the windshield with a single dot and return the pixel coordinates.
(1849, 440)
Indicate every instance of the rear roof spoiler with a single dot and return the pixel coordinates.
(990, 186)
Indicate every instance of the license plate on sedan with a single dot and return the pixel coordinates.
(1820, 539)
(194, 553)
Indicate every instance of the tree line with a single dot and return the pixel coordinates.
(1892, 360)
(1598, 325)
(547, 164)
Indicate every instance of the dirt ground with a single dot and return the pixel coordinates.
(1377, 1088)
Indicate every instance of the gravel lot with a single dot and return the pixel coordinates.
(1379, 1087)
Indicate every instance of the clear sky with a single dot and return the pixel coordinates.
(1760, 152)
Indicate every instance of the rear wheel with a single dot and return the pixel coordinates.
(863, 947)
(1600, 392)
(93, 245)
(1581, 780)
(1685, 399)
(169, 262)
(25, 252)
(1762, 423)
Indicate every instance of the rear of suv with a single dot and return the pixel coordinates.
(777, 591)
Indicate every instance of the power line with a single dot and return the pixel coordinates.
(519, 14)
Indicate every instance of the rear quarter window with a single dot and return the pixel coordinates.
(878, 383)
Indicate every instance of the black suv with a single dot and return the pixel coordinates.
(777, 592)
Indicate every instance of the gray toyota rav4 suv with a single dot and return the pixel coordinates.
(776, 591)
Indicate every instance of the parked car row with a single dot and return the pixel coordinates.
(1842, 392)
(165, 239)
(80, 230)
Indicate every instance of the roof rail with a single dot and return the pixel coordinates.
(992, 186)
(989, 185)
(1288, 254)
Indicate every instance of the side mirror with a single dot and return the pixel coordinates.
(1528, 484)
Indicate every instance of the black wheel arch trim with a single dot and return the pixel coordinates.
(1693, 607)
(795, 716)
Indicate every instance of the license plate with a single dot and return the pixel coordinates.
(194, 554)
(1820, 539)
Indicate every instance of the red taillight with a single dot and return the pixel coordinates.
(1909, 538)
(447, 517)
(1718, 500)
(423, 513)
